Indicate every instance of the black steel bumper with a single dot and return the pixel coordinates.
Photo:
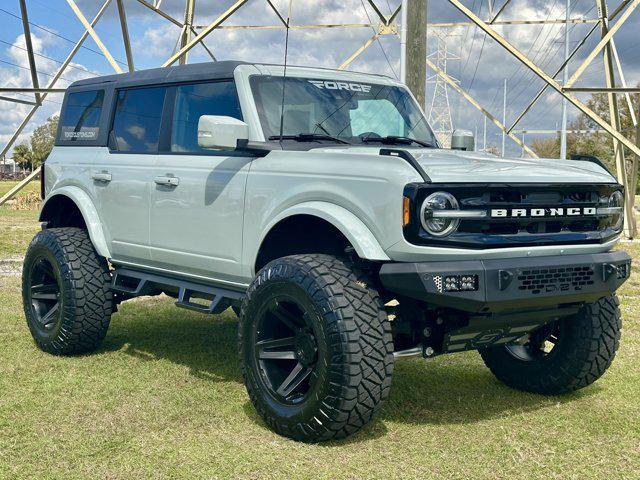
(511, 283)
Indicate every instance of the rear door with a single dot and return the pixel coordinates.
(123, 173)
(197, 200)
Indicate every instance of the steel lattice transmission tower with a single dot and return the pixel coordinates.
(439, 112)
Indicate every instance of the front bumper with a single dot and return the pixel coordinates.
(512, 284)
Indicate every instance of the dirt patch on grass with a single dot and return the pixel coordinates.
(11, 267)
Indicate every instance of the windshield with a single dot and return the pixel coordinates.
(351, 112)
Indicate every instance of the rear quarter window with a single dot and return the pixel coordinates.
(80, 120)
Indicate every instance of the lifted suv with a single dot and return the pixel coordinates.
(340, 233)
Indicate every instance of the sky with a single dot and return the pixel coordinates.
(481, 67)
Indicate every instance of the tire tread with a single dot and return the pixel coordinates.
(87, 298)
(593, 339)
(357, 327)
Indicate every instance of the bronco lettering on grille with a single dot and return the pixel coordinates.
(542, 212)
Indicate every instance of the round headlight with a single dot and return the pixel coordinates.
(433, 219)
(616, 200)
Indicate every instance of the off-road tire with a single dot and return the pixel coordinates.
(587, 345)
(357, 335)
(85, 299)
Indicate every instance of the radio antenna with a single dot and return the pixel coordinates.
(284, 78)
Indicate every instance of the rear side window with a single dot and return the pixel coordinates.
(193, 101)
(136, 122)
(81, 117)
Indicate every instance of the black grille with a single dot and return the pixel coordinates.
(561, 279)
(510, 231)
(501, 199)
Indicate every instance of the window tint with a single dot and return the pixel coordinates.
(380, 116)
(81, 117)
(193, 101)
(136, 123)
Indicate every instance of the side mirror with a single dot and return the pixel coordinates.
(220, 132)
(463, 140)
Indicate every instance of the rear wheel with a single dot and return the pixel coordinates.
(564, 355)
(65, 290)
(316, 347)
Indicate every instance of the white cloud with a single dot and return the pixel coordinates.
(12, 113)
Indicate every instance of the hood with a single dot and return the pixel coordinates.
(456, 166)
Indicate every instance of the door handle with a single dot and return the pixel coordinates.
(102, 177)
(167, 181)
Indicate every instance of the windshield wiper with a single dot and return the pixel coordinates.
(395, 140)
(308, 137)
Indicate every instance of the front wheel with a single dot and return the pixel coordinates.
(316, 348)
(564, 355)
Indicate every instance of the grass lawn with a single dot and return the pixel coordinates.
(17, 227)
(6, 185)
(164, 398)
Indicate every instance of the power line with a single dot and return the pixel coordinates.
(38, 71)
(18, 17)
(13, 45)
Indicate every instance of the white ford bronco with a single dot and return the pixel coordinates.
(319, 206)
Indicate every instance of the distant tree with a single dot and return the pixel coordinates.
(23, 157)
(42, 140)
(546, 147)
(31, 154)
(597, 144)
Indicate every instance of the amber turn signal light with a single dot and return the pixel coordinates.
(405, 212)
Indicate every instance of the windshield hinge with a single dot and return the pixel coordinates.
(407, 157)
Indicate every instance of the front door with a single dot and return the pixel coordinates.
(197, 199)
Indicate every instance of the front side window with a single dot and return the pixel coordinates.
(352, 112)
(193, 101)
(137, 119)
(81, 117)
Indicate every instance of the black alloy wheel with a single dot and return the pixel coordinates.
(286, 349)
(540, 344)
(44, 294)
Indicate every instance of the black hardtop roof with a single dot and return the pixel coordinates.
(177, 73)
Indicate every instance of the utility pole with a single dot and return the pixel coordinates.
(504, 115)
(565, 78)
(185, 38)
(413, 51)
(403, 41)
(484, 135)
(475, 138)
